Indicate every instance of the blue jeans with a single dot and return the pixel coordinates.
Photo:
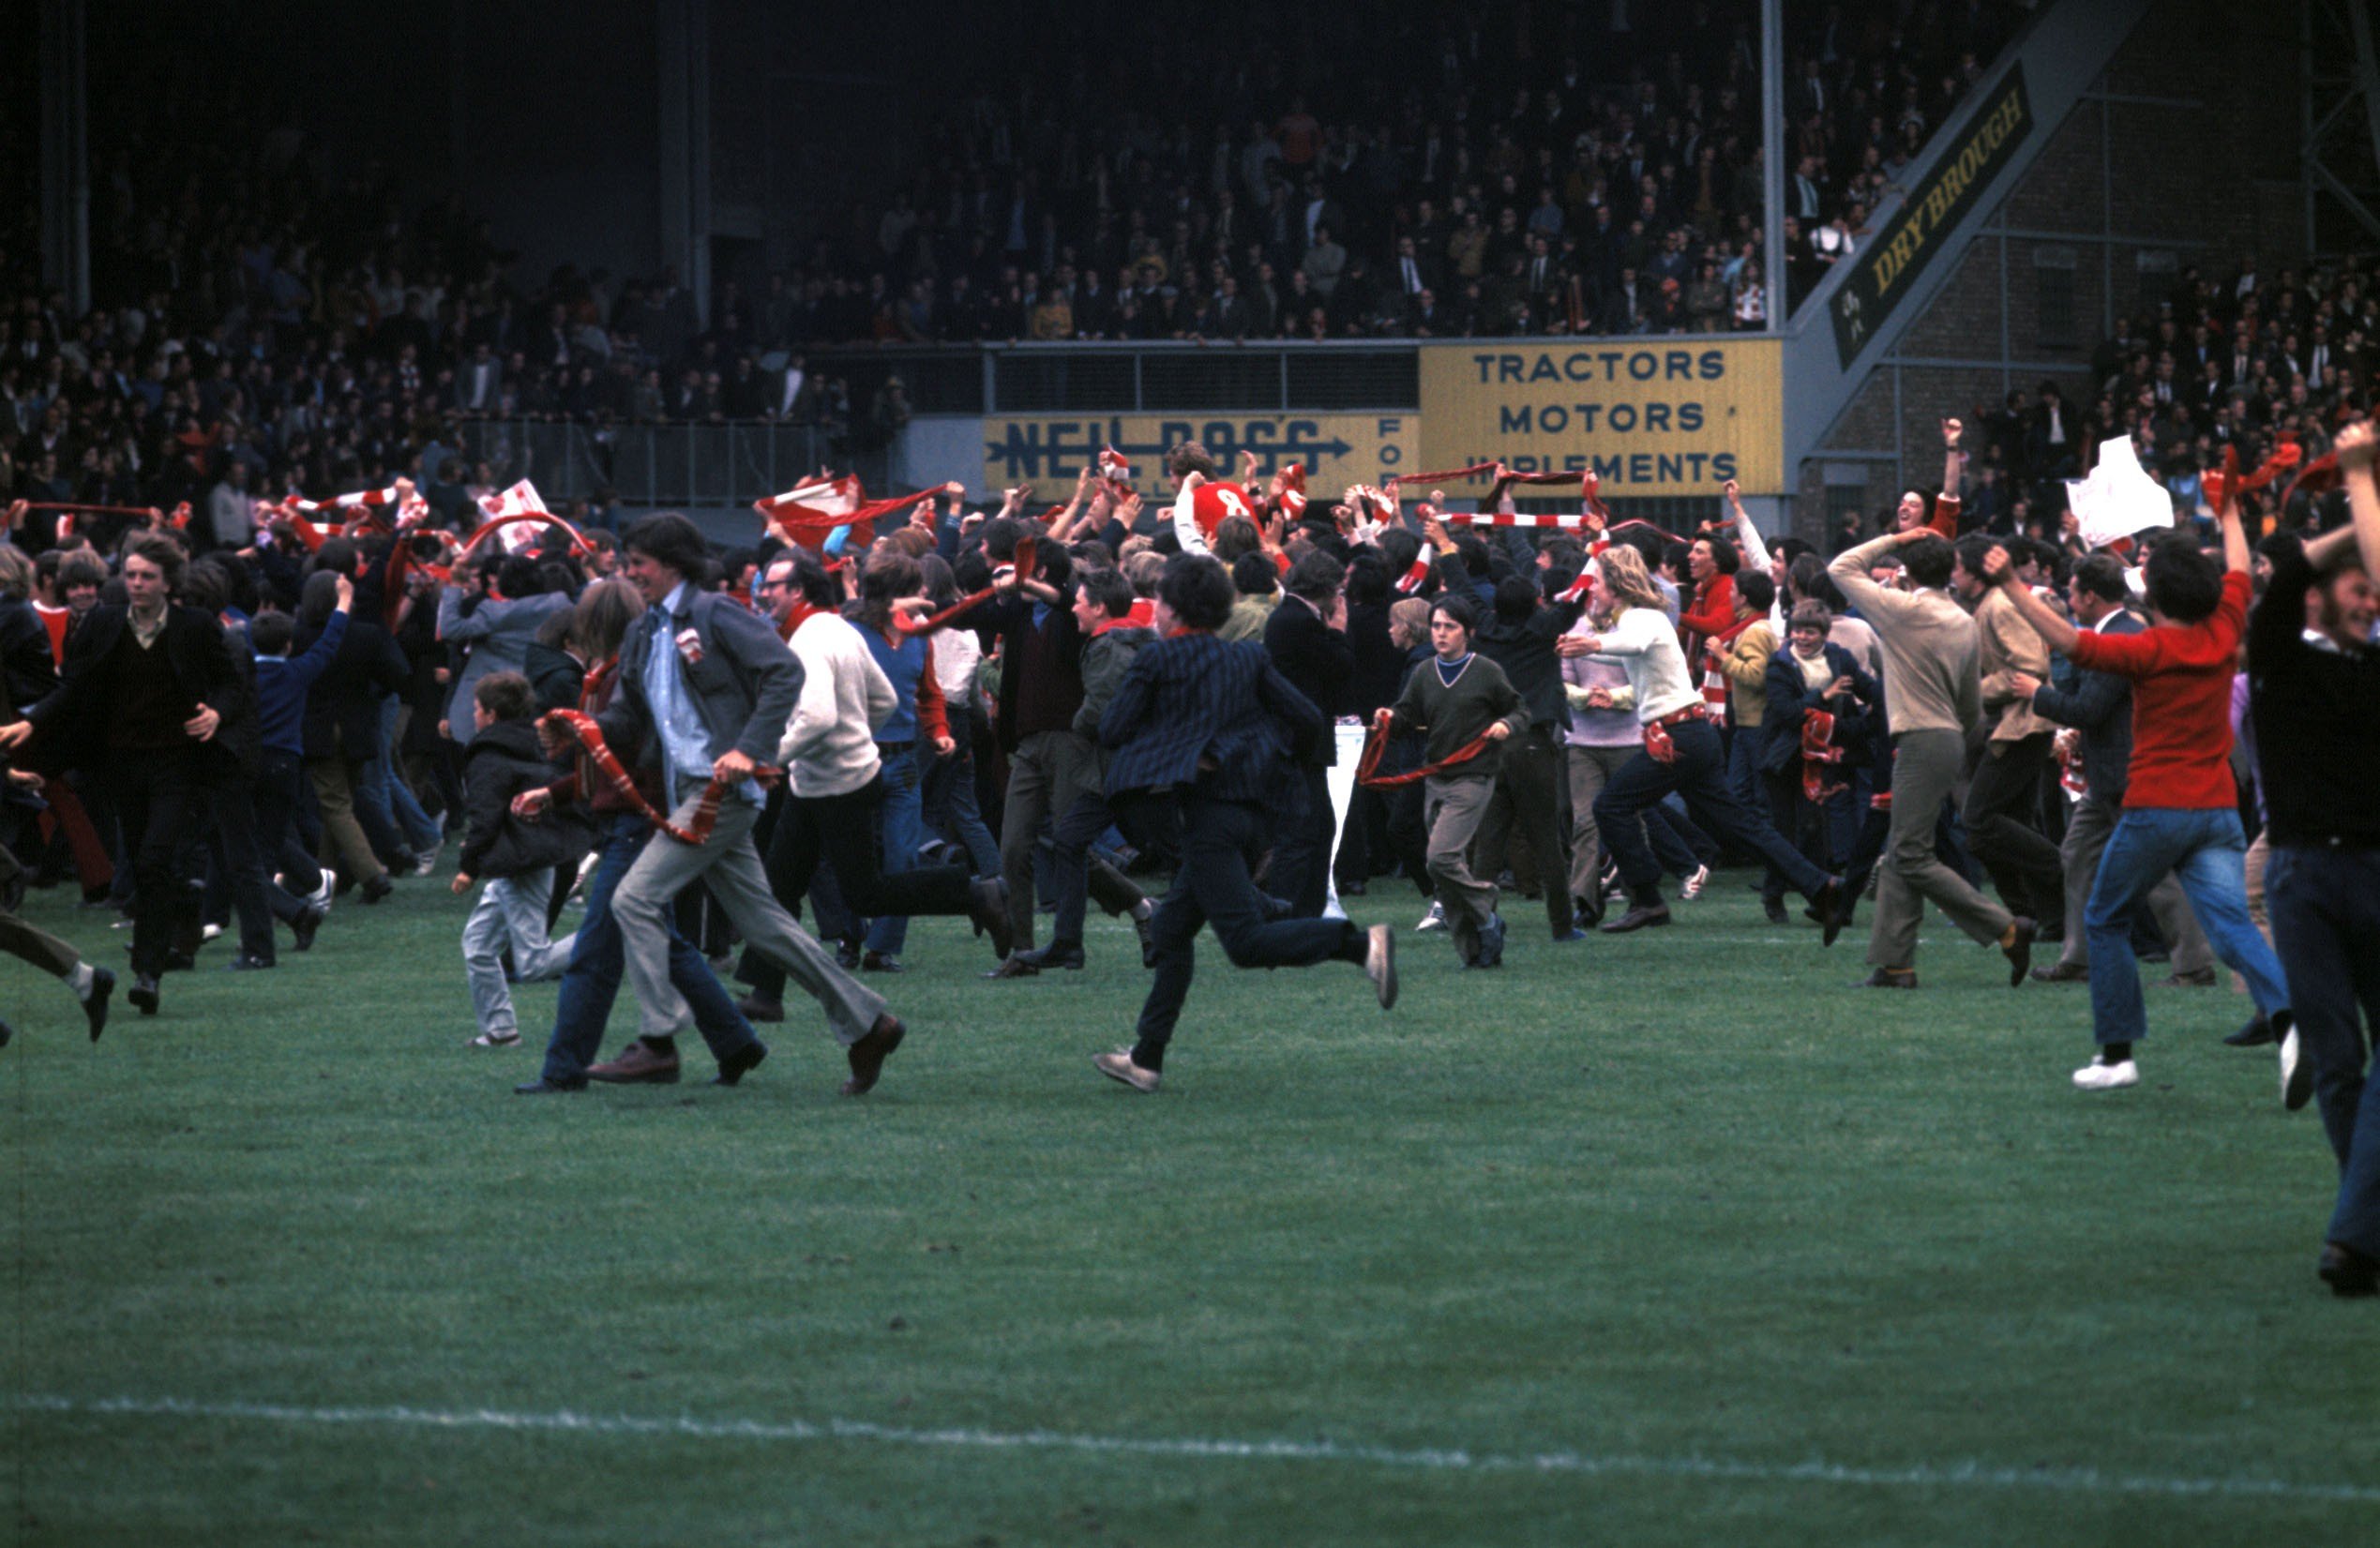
(381, 787)
(902, 812)
(2326, 920)
(1699, 771)
(2208, 852)
(951, 809)
(597, 961)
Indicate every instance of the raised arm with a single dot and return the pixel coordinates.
(2057, 631)
(2357, 446)
(1748, 541)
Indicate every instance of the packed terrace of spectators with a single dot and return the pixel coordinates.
(259, 321)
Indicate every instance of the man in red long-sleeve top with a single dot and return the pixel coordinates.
(1942, 513)
(2181, 806)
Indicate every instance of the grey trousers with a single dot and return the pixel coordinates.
(1047, 772)
(1452, 809)
(730, 866)
(1591, 770)
(511, 910)
(1925, 767)
(2087, 825)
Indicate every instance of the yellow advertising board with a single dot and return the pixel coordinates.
(1677, 415)
(1337, 449)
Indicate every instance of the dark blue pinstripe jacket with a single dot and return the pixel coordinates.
(1198, 711)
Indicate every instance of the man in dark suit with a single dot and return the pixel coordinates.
(1197, 731)
(143, 690)
(706, 688)
(1306, 638)
(2100, 706)
(1519, 637)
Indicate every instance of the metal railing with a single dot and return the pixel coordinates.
(1158, 377)
(663, 464)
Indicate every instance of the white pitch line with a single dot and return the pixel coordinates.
(1961, 1475)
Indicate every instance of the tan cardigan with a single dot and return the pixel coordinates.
(2007, 646)
(1932, 672)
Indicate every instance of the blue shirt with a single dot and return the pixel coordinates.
(686, 742)
(281, 689)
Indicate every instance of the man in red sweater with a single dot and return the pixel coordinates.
(2181, 809)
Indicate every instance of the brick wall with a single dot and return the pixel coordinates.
(2204, 173)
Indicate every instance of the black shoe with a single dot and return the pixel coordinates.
(2257, 1034)
(1014, 967)
(544, 1086)
(1058, 953)
(378, 888)
(247, 964)
(877, 962)
(1491, 944)
(142, 993)
(94, 1009)
(987, 908)
(1885, 978)
(847, 956)
(1587, 911)
(2347, 1272)
(1774, 907)
(2019, 952)
(1640, 917)
(1832, 909)
(741, 1063)
(303, 927)
(1144, 925)
(757, 1008)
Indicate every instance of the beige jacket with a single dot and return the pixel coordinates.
(1932, 672)
(2007, 645)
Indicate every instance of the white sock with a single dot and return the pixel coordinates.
(82, 981)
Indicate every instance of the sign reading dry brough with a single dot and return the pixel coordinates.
(1675, 415)
(1886, 269)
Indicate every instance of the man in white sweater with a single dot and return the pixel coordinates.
(833, 775)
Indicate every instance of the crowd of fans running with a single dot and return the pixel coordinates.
(986, 712)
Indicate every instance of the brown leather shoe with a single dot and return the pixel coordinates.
(637, 1065)
(869, 1054)
(2063, 972)
(2196, 978)
(1888, 978)
(1013, 967)
(1643, 916)
(2019, 952)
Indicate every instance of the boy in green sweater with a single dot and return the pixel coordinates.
(1455, 698)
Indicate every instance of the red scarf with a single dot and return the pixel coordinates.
(1817, 751)
(1376, 743)
(706, 810)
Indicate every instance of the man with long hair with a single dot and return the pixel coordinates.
(1681, 753)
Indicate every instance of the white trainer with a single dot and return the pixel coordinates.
(1433, 920)
(2296, 1074)
(2100, 1076)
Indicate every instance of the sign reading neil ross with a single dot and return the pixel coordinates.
(1885, 270)
(1335, 449)
(1677, 415)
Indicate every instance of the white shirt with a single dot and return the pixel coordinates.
(1644, 643)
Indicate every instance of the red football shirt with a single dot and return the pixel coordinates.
(2181, 702)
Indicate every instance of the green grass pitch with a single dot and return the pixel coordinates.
(1664, 1238)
